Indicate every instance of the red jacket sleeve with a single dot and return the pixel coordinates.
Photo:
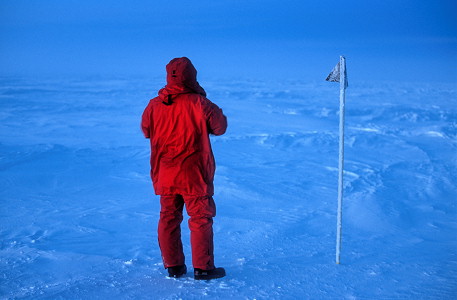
(146, 120)
(217, 121)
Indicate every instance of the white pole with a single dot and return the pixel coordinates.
(341, 157)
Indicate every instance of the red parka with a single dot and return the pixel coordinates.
(178, 123)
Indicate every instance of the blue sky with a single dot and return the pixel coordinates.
(400, 40)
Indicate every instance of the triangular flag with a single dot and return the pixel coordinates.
(334, 76)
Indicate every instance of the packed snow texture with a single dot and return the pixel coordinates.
(78, 215)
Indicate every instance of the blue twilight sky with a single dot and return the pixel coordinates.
(404, 40)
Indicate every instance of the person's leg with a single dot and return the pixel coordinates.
(201, 211)
(169, 230)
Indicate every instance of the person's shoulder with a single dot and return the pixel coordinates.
(155, 100)
(196, 98)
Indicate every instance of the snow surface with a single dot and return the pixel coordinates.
(78, 216)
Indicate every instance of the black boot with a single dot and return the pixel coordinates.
(177, 271)
(200, 274)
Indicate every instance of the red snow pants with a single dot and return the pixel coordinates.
(201, 210)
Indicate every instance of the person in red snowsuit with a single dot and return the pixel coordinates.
(178, 123)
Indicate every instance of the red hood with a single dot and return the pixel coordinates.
(181, 79)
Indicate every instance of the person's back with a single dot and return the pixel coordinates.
(178, 123)
(182, 158)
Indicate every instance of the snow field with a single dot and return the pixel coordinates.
(78, 216)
